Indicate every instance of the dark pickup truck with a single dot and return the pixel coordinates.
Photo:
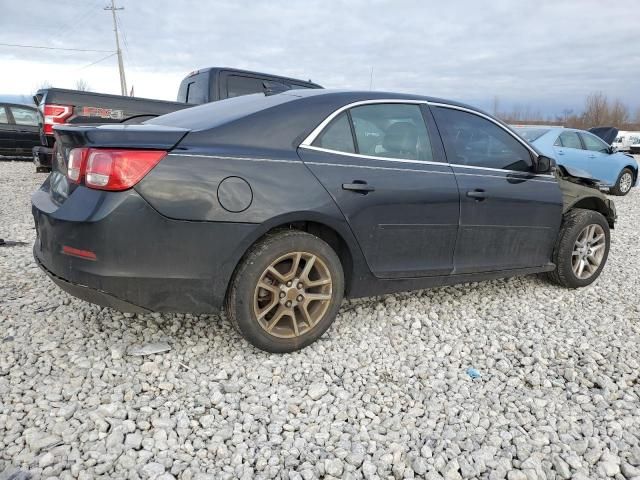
(57, 106)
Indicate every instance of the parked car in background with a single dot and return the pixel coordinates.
(634, 148)
(583, 150)
(625, 139)
(278, 205)
(18, 130)
(58, 106)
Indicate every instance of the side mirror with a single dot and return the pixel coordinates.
(544, 164)
(613, 149)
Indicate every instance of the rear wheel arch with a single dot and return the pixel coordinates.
(339, 240)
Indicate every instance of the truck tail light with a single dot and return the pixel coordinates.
(114, 169)
(55, 115)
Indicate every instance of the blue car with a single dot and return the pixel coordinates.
(582, 150)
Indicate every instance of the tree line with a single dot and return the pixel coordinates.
(598, 111)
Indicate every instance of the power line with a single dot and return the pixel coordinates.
(54, 48)
(98, 61)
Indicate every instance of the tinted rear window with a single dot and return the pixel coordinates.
(195, 89)
(214, 114)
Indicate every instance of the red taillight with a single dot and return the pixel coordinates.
(55, 115)
(108, 169)
(76, 164)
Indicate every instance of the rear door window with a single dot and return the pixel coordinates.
(392, 130)
(569, 140)
(24, 116)
(240, 85)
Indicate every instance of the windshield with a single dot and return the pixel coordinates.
(531, 134)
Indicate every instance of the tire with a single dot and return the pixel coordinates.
(624, 183)
(252, 310)
(574, 225)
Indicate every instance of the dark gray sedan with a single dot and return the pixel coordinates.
(277, 206)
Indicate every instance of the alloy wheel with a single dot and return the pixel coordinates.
(588, 251)
(292, 294)
(625, 182)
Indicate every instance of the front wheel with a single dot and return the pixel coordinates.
(286, 292)
(582, 248)
(624, 183)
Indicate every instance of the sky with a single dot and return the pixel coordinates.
(543, 55)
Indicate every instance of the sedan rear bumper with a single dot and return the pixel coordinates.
(91, 295)
(139, 260)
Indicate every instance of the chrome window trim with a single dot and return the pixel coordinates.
(373, 157)
(308, 141)
(372, 167)
(420, 162)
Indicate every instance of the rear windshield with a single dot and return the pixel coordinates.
(531, 134)
(195, 89)
(214, 114)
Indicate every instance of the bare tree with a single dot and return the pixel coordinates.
(82, 85)
(596, 110)
(618, 114)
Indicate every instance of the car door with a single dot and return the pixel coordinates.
(26, 132)
(569, 150)
(509, 216)
(7, 140)
(597, 154)
(393, 185)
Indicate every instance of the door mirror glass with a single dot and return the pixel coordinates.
(544, 164)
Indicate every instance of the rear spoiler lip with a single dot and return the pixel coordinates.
(118, 135)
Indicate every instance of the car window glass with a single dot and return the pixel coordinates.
(24, 116)
(337, 136)
(392, 130)
(3, 115)
(570, 140)
(472, 140)
(237, 85)
(594, 143)
(197, 89)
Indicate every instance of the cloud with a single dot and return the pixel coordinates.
(546, 54)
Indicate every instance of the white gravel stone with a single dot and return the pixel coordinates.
(383, 394)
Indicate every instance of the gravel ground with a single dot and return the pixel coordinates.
(384, 394)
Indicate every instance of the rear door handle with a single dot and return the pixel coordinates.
(359, 186)
(478, 194)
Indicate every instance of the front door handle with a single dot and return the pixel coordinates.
(478, 194)
(359, 186)
(560, 152)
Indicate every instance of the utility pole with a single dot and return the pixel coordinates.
(123, 81)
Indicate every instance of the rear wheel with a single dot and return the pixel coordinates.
(624, 183)
(582, 248)
(286, 292)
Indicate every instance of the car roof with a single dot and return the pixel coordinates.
(252, 73)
